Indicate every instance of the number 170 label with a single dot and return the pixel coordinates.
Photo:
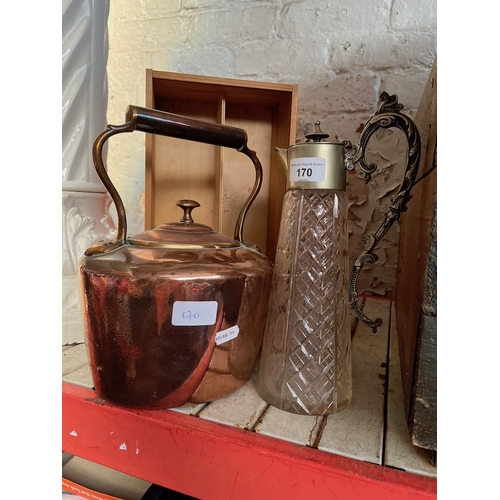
(307, 169)
(193, 313)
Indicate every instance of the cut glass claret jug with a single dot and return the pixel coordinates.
(305, 364)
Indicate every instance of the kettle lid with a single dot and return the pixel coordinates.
(185, 234)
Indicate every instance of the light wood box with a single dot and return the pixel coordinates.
(416, 293)
(220, 179)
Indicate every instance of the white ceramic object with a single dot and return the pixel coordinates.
(85, 202)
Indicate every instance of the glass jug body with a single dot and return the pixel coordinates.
(305, 365)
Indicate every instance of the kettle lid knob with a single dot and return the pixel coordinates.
(188, 206)
(317, 135)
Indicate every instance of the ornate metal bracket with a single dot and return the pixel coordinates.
(387, 116)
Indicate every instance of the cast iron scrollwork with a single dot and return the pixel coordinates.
(387, 116)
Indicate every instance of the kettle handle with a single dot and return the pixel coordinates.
(168, 124)
(387, 116)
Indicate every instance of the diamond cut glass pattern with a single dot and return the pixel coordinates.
(306, 356)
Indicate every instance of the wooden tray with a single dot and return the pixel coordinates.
(220, 179)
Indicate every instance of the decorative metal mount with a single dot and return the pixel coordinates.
(387, 116)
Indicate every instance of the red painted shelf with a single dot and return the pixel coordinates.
(207, 460)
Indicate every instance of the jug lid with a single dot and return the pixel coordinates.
(315, 164)
(185, 234)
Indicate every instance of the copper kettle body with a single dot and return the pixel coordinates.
(176, 314)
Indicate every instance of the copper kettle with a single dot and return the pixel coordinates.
(176, 314)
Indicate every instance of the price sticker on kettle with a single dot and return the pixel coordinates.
(194, 313)
(307, 169)
(227, 335)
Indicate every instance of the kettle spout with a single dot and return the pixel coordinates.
(283, 156)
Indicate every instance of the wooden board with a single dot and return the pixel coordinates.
(220, 179)
(399, 449)
(185, 170)
(417, 278)
(243, 409)
(73, 358)
(358, 431)
(299, 429)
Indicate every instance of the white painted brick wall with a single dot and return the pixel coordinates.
(341, 53)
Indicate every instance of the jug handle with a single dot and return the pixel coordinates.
(168, 124)
(387, 116)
